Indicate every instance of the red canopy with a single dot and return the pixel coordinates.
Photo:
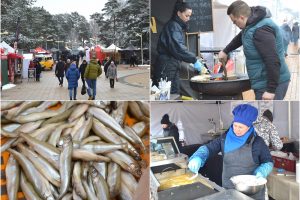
(14, 55)
(99, 53)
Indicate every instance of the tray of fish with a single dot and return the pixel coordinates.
(74, 149)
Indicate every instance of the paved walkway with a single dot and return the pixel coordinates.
(133, 85)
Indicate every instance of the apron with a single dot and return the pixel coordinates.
(240, 162)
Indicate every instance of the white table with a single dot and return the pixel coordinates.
(283, 187)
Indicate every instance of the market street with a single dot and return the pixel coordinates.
(133, 84)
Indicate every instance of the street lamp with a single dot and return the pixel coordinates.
(140, 35)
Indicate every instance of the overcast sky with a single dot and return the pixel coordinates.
(83, 7)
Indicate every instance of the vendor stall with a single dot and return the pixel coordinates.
(15, 66)
(170, 167)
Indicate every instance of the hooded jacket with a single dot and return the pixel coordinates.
(263, 48)
(92, 70)
(72, 76)
(112, 71)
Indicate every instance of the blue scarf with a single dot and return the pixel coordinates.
(233, 142)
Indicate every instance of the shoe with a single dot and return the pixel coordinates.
(90, 98)
(70, 98)
(93, 98)
(74, 99)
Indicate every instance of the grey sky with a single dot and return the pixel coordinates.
(83, 7)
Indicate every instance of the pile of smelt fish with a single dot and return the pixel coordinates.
(80, 150)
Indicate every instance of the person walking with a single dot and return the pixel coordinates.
(67, 65)
(72, 76)
(112, 74)
(263, 48)
(60, 71)
(287, 35)
(38, 70)
(106, 65)
(295, 31)
(82, 70)
(92, 71)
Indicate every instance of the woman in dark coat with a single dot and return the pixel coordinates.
(72, 76)
(82, 70)
(172, 50)
(60, 71)
(38, 70)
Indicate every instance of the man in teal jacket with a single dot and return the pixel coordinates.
(264, 51)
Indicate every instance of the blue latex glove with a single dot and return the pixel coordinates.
(195, 164)
(264, 170)
(259, 175)
(198, 66)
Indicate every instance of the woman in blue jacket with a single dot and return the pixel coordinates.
(72, 76)
(243, 151)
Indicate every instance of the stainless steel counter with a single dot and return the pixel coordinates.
(226, 195)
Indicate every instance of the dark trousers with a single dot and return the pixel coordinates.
(37, 77)
(280, 91)
(83, 80)
(61, 80)
(167, 67)
(112, 82)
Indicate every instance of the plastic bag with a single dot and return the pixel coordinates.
(83, 90)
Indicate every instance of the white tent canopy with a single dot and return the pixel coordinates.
(80, 48)
(112, 48)
(4, 46)
(26, 62)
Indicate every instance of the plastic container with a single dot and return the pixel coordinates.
(289, 165)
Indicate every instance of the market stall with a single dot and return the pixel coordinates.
(15, 66)
(113, 52)
(200, 123)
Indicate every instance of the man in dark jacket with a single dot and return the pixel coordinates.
(171, 48)
(82, 70)
(60, 71)
(170, 129)
(262, 42)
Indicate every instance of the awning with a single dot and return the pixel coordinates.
(112, 48)
(14, 55)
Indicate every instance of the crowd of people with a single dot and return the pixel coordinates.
(88, 72)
